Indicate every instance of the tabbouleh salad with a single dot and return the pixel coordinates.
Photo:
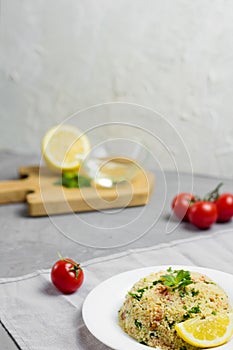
(157, 302)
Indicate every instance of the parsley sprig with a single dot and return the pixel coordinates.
(73, 179)
(176, 279)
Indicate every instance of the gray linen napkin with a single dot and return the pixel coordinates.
(39, 317)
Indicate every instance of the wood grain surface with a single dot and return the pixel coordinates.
(37, 187)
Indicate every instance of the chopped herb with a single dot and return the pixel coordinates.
(171, 324)
(176, 279)
(142, 342)
(156, 282)
(194, 292)
(139, 293)
(135, 296)
(194, 310)
(182, 293)
(214, 313)
(183, 348)
(142, 290)
(169, 269)
(138, 324)
(153, 334)
(186, 317)
(74, 180)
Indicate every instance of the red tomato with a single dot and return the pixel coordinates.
(224, 205)
(181, 204)
(203, 214)
(67, 275)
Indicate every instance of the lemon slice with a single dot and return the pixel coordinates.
(206, 333)
(64, 147)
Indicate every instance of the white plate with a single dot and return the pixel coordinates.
(100, 308)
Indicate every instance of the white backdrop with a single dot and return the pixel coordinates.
(174, 56)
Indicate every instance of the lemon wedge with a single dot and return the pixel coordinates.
(206, 333)
(64, 147)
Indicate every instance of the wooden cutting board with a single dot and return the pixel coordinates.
(37, 186)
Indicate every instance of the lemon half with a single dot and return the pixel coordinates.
(64, 147)
(206, 333)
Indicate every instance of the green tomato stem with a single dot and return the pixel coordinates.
(213, 195)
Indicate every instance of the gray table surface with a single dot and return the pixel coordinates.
(28, 244)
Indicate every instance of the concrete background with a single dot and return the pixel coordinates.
(173, 56)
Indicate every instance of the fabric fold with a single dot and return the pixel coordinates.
(39, 317)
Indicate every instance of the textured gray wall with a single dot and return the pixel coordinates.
(174, 56)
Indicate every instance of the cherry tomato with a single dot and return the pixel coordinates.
(203, 214)
(181, 204)
(224, 205)
(67, 275)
